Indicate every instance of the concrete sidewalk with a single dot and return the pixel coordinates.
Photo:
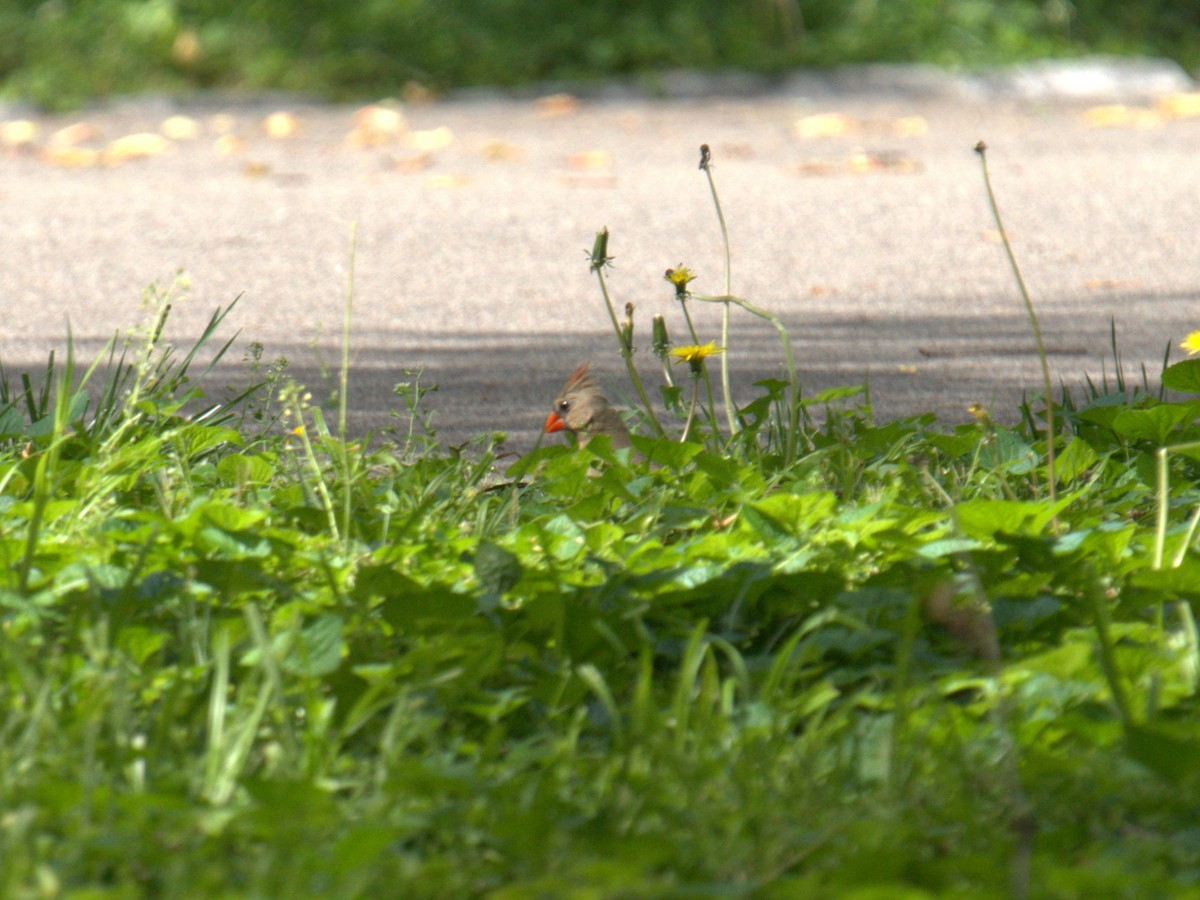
(856, 208)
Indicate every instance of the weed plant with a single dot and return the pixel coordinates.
(789, 655)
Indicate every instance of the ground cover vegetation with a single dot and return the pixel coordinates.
(61, 54)
(775, 649)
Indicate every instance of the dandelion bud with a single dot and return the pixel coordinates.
(600, 257)
(662, 343)
(627, 328)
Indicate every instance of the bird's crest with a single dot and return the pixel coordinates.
(580, 379)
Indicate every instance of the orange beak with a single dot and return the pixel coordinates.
(554, 422)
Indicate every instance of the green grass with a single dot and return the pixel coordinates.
(807, 654)
(63, 54)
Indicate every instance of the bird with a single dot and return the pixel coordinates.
(581, 409)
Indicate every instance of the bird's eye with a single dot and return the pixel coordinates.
(564, 405)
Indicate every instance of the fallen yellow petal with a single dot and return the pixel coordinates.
(375, 125)
(1118, 115)
(1179, 106)
(135, 146)
(280, 125)
(498, 149)
(77, 133)
(432, 139)
(910, 126)
(228, 144)
(18, 133)
(413, 162)
(556, 105)
(824, 125)
(590, 159)
(72, 157)
(448, 181)
(180, 128)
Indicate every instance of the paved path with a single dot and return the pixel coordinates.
(875, 244)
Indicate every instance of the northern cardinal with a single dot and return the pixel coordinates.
(581, 409)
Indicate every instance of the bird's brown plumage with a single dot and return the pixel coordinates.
(581, 409)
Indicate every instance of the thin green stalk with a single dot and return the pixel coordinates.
(344, 386)
(627, 355)
(789, 359)
(1160, 518)
(46, 470)
(666, 367)
(904, 657)
(706, 166)
(1162, 507)
(687, 317)
(691, 416)
(1051, 481)
(1108, 654)
(301, 431)
(344, 375)
(1188, 535)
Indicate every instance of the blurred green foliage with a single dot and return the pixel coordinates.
(60, 52)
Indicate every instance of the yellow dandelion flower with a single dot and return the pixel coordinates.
(1192, 343)
(696, 354)
(680, 276)
(980, 412)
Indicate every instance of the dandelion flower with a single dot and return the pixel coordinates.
(680, 276)
(1192, 343)
(695, 354)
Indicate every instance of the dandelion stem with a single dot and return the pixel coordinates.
(691, 416)
(981, 149)
(627, 355)
(786, 342)
(706, 165)
(687, 315)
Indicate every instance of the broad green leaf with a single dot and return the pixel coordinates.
(228, 517)
(790, 514)
(12, 423)
(1005, 449)
(139, 643)
(959, 444)
(319, 649)
(1070, 661)
(1153, 424)
(947, 547)
(543, 455)
(1173, 756)
(983, 518)
(407, 604)
(1074, 459)
(1182, 376)
(359, 846)
(835, 393)
(240, 469)
(1181, 579)
(196, 439)
(497, 571)
(665, 451)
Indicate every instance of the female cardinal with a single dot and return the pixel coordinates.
(581, 409)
